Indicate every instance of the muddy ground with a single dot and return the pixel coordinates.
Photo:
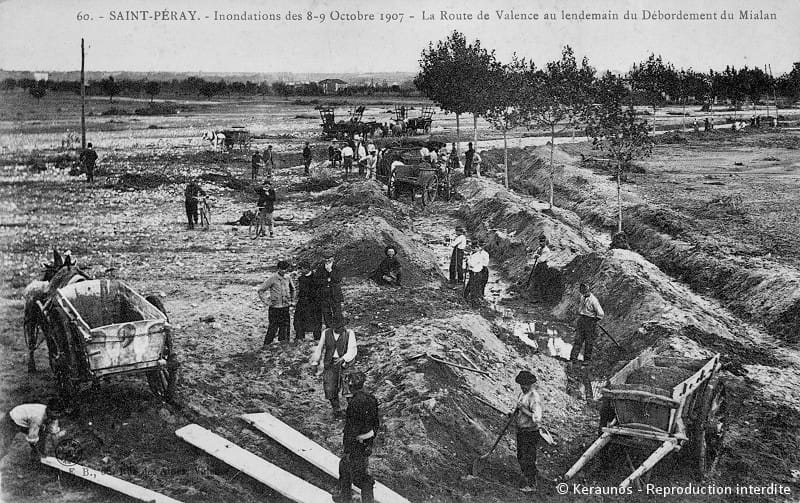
(130, 225)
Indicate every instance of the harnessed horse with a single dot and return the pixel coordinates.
(60, 273)
(216, 138)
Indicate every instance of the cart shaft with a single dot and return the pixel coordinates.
(659, 454)
(591, 452)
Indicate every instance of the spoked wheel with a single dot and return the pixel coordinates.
(430, 191)
(709, 429)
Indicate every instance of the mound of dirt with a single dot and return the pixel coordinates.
(362, 221)
(644, 307)
(512, 224)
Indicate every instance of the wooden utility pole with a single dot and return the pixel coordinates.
(83, 100)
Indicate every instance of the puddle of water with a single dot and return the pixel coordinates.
(550, 338)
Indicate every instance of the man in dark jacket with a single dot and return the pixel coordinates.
(388, 272)
(307, 314)
(256, 163)
(192, 196)
(336, 349)
(468, 160)
(266, 205)
(328, 280)
(306, 159)
(87, 159)
(360, 427)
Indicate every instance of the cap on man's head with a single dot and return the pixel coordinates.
(283, 265)
(525, 378)
(56, 407)
(304, 264)
(89, 145)
(340, 323)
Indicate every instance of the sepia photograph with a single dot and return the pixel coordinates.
(399, 251)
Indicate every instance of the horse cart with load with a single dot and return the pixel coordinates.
(237, 136)
(404, 170)
(100, 328)
(661, 405)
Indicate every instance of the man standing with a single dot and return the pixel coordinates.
(269, 161)
(255, 163)
(191, 198)
(539, 268)
(361, 156)
(266, 206)
(307, 159)
(88, 158)
(307, 315)
(589, 313)
(361, 424)
(347, 160)
(455, 163)
(281, 295)
(37, 421)
(529, 418)
(372, 163)
(328, 281)
(468, 160)
(334, 155)
(337, 347)
(458, 244)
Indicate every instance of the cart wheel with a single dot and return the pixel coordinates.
(34, 332)
(156, 301)
(430, 191)
(162, 380)
(709, 429)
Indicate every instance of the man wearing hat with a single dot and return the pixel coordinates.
(307, 315)
(589, 313)
(539, 269)
(458, 244)
(478, 269)
(328, 281)
(361, 424)
(337, 347)
(37, 421)
(281, 295)
(529, 418)
(266, 205)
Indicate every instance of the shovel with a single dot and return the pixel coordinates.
(476, 465)
(609, 335)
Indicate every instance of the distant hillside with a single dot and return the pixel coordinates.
(351, 78)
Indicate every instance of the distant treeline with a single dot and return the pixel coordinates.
(195, 86)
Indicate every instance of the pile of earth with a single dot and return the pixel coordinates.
(512, 224)
(360, 224)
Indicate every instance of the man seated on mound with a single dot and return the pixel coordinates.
(388, 272)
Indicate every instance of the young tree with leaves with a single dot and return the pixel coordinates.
(615, 129)
(38, 90)
(655, 79)
(110, 88)
(503, 95)
(556, 97)
(152, 88)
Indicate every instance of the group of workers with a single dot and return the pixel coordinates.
(352, 151)
(265, 161)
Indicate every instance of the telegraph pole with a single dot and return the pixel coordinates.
(83, 100)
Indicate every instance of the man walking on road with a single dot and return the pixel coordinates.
(360, 427)
(589, 313)
(88, 158)
(306, 159)
(281, 295)
(337, 347)
(529, 418)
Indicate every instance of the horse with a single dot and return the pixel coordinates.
(216, 138)
(60, 273)
(398, 128)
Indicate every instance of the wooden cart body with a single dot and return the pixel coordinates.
(403, 170)
(237, 136)
(646, 416)
(100, 328)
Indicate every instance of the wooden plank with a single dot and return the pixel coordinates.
(246, 462)
(311, 451)
(100, 478)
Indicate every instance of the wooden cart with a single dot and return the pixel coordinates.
(237, 136)
(661, 420)
(404, 171)
(101, 328)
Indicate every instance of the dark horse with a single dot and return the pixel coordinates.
(60, 273)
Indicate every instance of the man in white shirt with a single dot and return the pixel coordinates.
(37, 421)
(347, 160)
(458, 244)
(539, 269)
(372, 163)
(336, 349)
(478, 269)
(529, 418)
(589, 313)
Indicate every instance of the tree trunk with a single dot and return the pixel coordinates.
(505, 152)
(654, 120)
(683, 118)
(458, 131)
(475, 131)
(619, 196)
(552, 168)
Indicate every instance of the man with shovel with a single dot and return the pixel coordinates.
(589, 314)
(529, 418)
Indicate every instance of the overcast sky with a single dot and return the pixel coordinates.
(45, 34)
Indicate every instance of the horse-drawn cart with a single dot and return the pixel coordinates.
(101, 328)
(237, 136)
(649, 405)
(403, 170)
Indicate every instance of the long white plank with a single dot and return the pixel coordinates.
(311, 451)
(100, 478)
(263, 471)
